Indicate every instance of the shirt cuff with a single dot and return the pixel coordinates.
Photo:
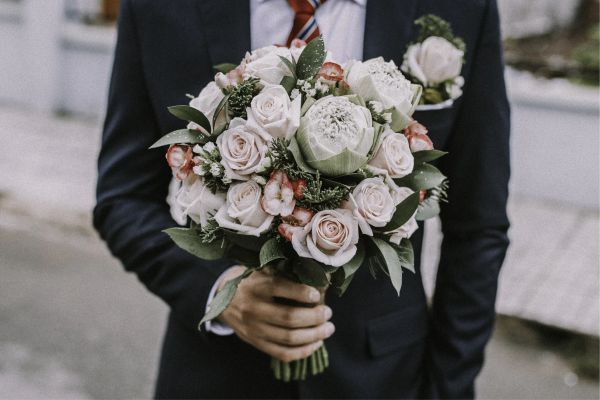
(216, 327)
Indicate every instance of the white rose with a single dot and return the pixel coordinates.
(243, 151)
(372, 204)
(197, 201)
(329, 238)
(207, 102)
(265, 64)
(377, 80)
(393, 155)
(242, 212)
(272, 114)
(433, 61)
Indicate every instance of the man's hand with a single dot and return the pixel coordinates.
(285, 332)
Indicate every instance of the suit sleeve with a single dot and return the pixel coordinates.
(131, 209)
(474, 222)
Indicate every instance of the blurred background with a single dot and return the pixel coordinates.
(74, 325)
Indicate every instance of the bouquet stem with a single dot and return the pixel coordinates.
(298, 370)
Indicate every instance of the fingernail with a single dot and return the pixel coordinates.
(328, 312)
(329, 329)
(314, 295)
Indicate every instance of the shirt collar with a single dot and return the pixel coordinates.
(361, 3)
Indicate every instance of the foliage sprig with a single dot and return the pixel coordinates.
(283, 160)
(240, 97)
(319, 198)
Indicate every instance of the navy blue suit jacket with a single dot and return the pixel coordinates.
(385, 345)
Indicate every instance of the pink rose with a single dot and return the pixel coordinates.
(232, 78)
(278, 197)
(180, 159)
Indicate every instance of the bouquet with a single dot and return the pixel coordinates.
(293, 163)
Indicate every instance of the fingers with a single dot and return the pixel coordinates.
(287, 289)
(291, 317)
(295, 337)
(286, 353)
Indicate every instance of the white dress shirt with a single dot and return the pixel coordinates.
(342, 24)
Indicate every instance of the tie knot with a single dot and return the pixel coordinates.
(305, 6)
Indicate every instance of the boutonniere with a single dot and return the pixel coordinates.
(434, 61)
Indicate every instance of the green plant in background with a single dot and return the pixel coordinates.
(587, 56)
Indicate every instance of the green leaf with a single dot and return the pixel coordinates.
(297, 154)
(424, 177)
(406, 254)
(270, 251)
(225, 67)
(188, 113)
(189, 241)
(248, 242)
(291, 66)
(310, 272)
(392, 262)
(352, 266)
(427, 156)
(289, 83)
(404, 212)
(340, 283)
(223, 298)
(180, 136)
(219, 109)
(311, 59)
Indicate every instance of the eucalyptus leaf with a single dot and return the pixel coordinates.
(220, 107)
(225, 67)
(406, 254)
(392, 262)
(404, 212)
(310, 272)
(424, 176)
(188, 240)
(291, 66)
(427, 156)
(311, 59)
(352, 266)
(180, 136)
(271, 251)
(288, 83)
(187, 113)
(223, 298)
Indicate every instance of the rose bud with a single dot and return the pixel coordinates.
(297, 43)
(287, 231)
(331, 71)
(299, 185)
(419, 143)
(299, 217)
(415, 128)
(179, 157)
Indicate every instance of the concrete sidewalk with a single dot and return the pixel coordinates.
(47, 175)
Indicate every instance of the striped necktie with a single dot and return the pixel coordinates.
(305, 25)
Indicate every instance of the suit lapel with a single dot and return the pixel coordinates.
(389, 27)
(227, 27)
